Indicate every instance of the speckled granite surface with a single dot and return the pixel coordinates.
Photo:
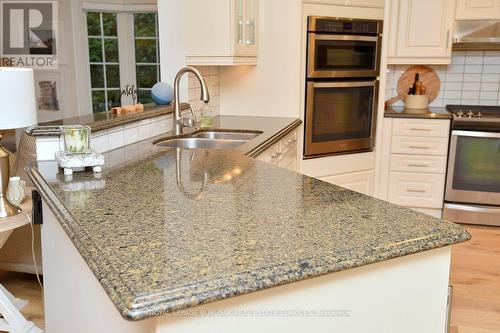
(102, 120)
(170, 229)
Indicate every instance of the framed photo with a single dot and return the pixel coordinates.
(48, 87)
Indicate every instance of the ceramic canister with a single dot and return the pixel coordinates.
(16, 191)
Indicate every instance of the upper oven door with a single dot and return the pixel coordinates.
(474, 168)
(343, 56)
(340, 117)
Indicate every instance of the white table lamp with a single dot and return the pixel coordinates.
(17, 110)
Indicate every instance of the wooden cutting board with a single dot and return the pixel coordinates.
(428, 77)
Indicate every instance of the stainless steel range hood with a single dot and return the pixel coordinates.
(477, 35)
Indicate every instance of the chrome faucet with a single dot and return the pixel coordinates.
(179, 123)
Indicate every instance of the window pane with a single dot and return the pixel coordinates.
(95, 50)
(111, 50)
(145, 50)
(98, 103)
(113, 76)
(144, 96)
(145, 24)
(114, 98)
(146, 76)
(97, 76)
(93, 24)
(109, 24)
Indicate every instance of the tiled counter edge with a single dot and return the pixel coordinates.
(110, 139)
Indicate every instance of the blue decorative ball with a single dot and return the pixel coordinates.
(162, 93)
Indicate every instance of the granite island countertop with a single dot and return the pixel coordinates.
(169, 229)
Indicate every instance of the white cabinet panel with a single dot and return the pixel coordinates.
(366, 3)
(221, 32)
(361, 182)
(418, 163)
(419, 145)
(421, 31)
(478, 9)
(422, 127)
(416, 189)
(283, 153)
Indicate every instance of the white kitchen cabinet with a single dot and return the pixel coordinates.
(414, 157)
(421, 31)
(478, 10)
(414, 189)
(361, 182)
(222, 32)
(283, 153)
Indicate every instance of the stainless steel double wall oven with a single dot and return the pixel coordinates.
(343, 65)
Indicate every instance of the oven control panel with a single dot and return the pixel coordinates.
(344, 26)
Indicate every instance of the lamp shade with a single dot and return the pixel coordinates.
(17, 98)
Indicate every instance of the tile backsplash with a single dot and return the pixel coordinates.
(472, 78)
(211, 76)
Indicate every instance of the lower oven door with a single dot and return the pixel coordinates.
(474, 168)
(340, 117)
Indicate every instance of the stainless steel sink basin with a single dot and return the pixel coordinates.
(210, 140)
(244, 136)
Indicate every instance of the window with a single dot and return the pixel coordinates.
(112, 55)
(104, 60)
(147, 56)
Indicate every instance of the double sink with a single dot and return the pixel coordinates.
(210, 140)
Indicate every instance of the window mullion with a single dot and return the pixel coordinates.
(104, 63)
(126, 53)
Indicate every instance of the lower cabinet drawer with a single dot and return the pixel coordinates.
(419, 146)
(418, 163)
(424, 190)
(289, 159)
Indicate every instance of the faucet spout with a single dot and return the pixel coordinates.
(178, 122)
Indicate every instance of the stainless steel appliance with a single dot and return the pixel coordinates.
(473, 177)
(342, 85)
(340, 48)
(477, 35)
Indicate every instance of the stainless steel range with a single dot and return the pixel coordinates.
(473, 177)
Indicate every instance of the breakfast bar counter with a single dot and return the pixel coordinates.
(170, 230)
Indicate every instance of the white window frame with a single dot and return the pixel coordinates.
(126, 44)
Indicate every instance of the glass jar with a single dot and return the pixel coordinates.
(207, 115)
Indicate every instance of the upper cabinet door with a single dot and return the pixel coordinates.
(221, 32)
(421, 31)
(478, 9)
(245, 16)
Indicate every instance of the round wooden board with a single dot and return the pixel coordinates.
(428, 77)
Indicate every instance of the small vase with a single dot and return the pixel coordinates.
(16, 191)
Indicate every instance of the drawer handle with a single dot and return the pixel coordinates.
(418, 165)
(415, 191)
(420, 129)
(420, 147)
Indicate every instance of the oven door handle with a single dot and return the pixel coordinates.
(345, 84)
(473, 208)
(475, 134)
(345, 38)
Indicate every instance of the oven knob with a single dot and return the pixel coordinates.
(470, 114)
